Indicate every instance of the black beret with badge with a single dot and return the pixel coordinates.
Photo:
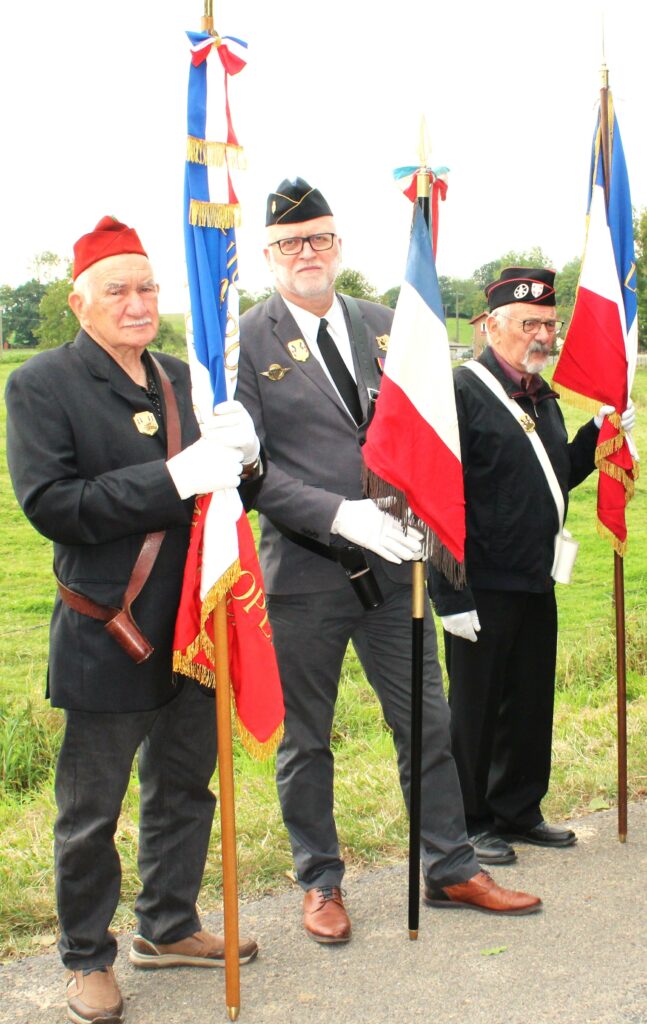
(522, 284)
(294, 202)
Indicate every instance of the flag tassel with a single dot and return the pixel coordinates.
(433, 549)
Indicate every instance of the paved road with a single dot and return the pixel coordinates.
(583, 960)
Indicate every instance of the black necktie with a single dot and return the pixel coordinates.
(339, 372)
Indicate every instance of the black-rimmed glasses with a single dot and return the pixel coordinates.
(293, 246)
(532, 326)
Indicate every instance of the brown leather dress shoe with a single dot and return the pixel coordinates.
(324, 915)
(200, 950)
(482, 893)
(94, 998)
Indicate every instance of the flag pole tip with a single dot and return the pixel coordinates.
(232, 1012)
(622, 837)
(413, 935)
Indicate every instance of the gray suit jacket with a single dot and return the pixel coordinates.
(313, 456)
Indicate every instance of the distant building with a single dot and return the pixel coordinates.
(479, 336)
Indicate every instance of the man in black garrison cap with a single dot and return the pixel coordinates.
(501, 630)
(335, 564)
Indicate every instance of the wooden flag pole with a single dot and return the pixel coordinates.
(227, 810)
(226, 769)
(618, 575)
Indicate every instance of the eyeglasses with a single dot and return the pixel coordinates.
(293, 246)
(532, 326)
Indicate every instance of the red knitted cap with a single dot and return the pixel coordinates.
(109, 238)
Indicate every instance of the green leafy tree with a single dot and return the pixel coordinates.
(390, 297)
(534, 257)
(21, 311)
(248, 299)
(57, 323)
(47, 267)
(352, 282)
(170, 339)
(566, 287)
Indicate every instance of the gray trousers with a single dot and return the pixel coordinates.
(311, 634)
(177, 756)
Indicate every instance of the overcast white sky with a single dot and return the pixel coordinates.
(93, 122)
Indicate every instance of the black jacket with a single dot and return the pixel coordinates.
(91, 482)
(511, 518)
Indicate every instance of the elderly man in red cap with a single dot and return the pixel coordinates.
(106, 456)
(501, 630)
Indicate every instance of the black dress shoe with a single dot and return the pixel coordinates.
(491, 848)
(542, 834)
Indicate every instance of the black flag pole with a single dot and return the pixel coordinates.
(618, 574)
(418, 597)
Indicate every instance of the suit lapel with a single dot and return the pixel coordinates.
(103, 366)
(286, 330)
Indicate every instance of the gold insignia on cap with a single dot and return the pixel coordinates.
(274, 206)
(275, 371)
(146, 423)
(527, 423)
(382, 342)
(298, 350)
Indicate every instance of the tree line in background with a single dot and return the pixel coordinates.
(36, 313)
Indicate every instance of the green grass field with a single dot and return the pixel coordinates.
(370, 817)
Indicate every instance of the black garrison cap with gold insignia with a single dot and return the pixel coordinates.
(294, 202)
(535, 285)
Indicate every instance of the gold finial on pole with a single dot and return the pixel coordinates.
(604, 71)
(424, 145)
(423, 179)
(207, 19)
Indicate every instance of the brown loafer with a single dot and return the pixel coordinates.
(200, 950)
(482, 893)
(324, 915)
(94, 998)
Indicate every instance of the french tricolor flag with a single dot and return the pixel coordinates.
(598, 360)
(412, 446)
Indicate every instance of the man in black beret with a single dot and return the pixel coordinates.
(501, 630)
(334, 564)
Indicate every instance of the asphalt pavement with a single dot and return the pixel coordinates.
(582, 960)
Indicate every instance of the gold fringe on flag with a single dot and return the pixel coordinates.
(433, 550)
(259, 751)
(214, 215)
(215, 154)
(183, 663)
(581, 401)
(618, 545)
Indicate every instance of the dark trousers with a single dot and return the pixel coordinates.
(311, 633)
(177, 756)
(501, 695)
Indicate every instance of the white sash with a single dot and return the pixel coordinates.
(565, 546)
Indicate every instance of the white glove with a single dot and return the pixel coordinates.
(205, 466)
(362, 523)
(463, 624)
(232, 425)
(627, 420)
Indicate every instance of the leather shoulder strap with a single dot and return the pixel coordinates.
(173, 437)
(367, 364)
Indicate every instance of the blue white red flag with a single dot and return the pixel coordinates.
(222, 560)
(412, 445)
(598, 359)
